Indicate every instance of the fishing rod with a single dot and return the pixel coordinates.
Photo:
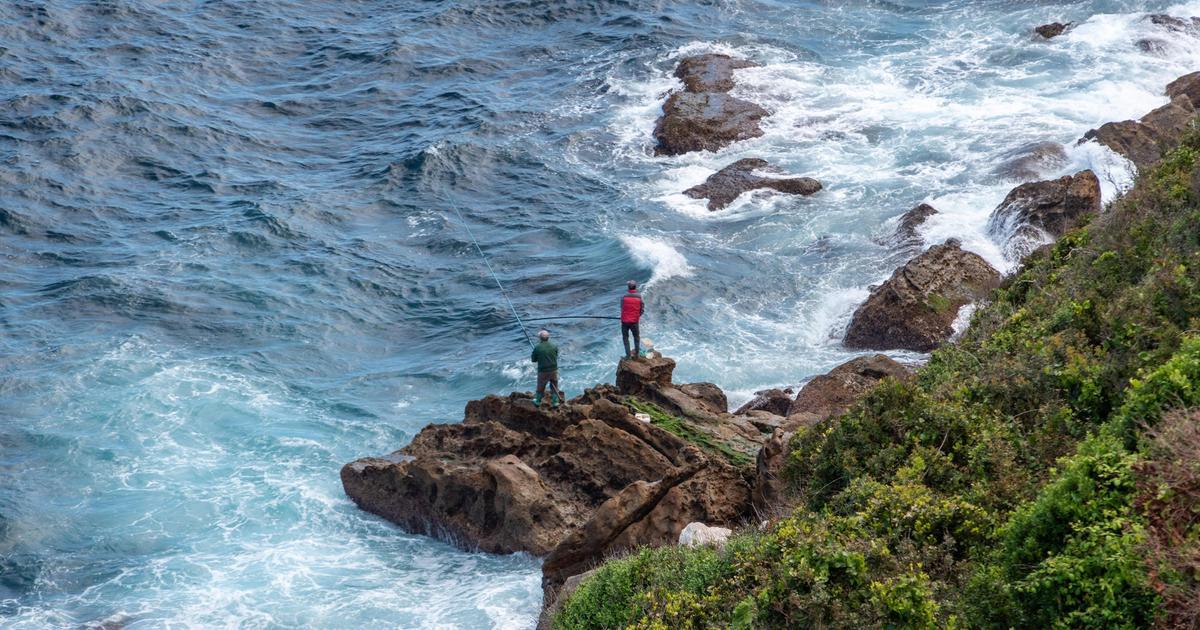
(543, 319)
(493, 272)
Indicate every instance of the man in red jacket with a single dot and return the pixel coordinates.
(632, 308)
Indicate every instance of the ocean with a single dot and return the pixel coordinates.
(232, 259)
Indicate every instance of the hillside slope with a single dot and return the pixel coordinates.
(1042, 471)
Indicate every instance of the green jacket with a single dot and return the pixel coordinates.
(545, 354)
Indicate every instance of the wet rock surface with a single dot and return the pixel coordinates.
(707, 121)
(915, 308)
(704, 117)
(1049, 208)
(709, 73)
(1031, 161)
(1144, 141)
(724, 186)
(1051, 30)
(907, 234)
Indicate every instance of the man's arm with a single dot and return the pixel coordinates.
(641, 307)
(533, 355)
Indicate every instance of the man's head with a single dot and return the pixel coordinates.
(632, 284)
(544, 334)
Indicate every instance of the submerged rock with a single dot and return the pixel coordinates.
(724, 186)
(1051, 30)
(1144, 141)
(706, 121)
(709, 73)
(916, 307)
(1048, 207)
(907, 234)
(1031, 161)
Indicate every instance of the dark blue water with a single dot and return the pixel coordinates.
(230, 259)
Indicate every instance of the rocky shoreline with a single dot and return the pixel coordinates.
(639, 462)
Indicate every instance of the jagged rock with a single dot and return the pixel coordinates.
(833, 393)
(1144, 141)
(1051, 207)
(709, 73)
(724, 186)
(587, 545)
(915, 308)
(1174, 24)
(775, 401)
(906, 232)
(698, 534)
(514, 477)
(1031, 161)
(706, 121)
(768, 497)
(550, 607)
(1051, 30)
(1187, 85)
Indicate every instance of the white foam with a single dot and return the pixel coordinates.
(658, 255)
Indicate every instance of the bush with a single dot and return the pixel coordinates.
(1072, 557)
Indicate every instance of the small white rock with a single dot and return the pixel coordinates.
(697, 534)
(644, 417)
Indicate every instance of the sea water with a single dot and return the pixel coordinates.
(231, 259)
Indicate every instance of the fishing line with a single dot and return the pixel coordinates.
(494, 276)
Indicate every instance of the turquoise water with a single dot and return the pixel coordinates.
(230, 262)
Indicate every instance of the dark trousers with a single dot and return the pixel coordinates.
(545, 378)
(637, 338)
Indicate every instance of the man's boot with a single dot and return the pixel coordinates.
(537, 401)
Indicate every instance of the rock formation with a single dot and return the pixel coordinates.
(710, 72)
(907, 235)
(1031, 161)
(915, 308)
(724, 186)
(1048, 207)
(1143, 141)
(704, 116)
(833, 393)
(1053, 29)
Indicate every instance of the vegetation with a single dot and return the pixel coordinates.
(1042, 472)
(689, 432)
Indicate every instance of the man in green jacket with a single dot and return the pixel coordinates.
(545, 354)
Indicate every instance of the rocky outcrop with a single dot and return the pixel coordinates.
(1049, 208)
(769, 494)
(1187, 85)
(916, 307)
(1051, 30)
(709, 73)
(576, 483)
(824, 396)
(774, 401)
(1145, 140)
(833, 393)
(724, 186)
(907, 234)
(1031, 161)
(708, 121)
(704, 117)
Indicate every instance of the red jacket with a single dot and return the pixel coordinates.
(632, 307)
